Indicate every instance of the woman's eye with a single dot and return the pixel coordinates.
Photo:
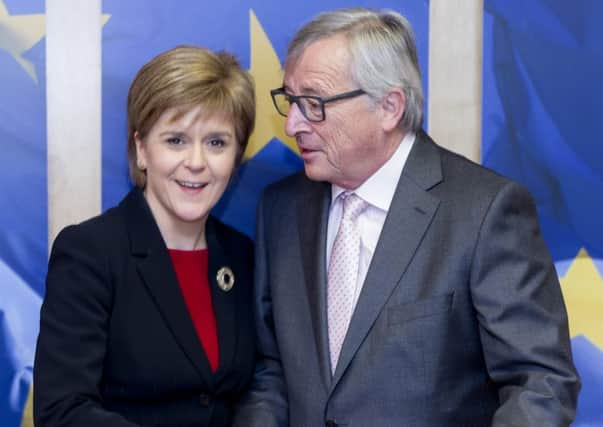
(217, 143)
(175, 141)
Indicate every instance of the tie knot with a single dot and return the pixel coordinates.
(352, 206)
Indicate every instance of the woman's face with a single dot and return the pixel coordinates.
(189, 158)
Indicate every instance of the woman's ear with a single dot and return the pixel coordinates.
(141, 155)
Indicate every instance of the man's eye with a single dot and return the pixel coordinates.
(175, 141)
(313, 103)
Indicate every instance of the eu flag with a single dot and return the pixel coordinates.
(23, 241)
(543, 98)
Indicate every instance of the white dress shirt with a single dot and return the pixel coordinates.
(378, 190)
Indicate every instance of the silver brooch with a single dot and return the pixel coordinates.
(225, 278)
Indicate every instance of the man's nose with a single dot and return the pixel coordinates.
(296, 121)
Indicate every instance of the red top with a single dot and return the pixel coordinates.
(191, 269)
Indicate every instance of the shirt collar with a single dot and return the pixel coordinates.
(378, 190)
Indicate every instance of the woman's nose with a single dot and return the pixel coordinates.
(195, 158)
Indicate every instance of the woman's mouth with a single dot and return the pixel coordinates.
(191, 185)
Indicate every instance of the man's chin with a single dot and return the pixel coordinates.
(313, 173)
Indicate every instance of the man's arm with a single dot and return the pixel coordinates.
(523, 321)
(265, 405)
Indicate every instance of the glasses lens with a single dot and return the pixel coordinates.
(281, 102)
(311, 108)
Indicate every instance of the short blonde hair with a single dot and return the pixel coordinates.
(183, 78)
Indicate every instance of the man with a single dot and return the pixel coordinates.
(398, 284)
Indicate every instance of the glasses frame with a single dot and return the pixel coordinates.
(295, 99)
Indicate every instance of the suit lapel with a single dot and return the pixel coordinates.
(224, 302)
(158, 275)
(410, 214)
(313, 211)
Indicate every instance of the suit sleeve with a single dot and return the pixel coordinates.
(265, 405)
(523, 320)
(74, 324)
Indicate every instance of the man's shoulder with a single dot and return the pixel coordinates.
(457, 168)
(292, 186)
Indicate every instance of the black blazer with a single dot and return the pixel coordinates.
(117, 346)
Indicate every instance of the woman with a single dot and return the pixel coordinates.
(147, 315)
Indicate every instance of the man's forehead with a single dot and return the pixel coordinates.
(323, 65)
(311, 83)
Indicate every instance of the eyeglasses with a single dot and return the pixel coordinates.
(312, 107)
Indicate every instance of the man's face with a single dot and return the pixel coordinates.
(344, 149)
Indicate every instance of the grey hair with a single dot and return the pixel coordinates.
(383, 54)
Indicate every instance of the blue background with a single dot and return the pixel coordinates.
(542, 126)
(543, 95)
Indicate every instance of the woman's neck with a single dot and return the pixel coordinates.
(181, 235)
(184, 238)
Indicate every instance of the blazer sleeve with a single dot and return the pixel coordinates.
(74, 325)
(523, 320)
(265, 404)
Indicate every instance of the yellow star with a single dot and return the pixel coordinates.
(18, 34)
(583, 293)
(268, 74)
(105, 18)
(27, 418)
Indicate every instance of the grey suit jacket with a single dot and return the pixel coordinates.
(460, 321)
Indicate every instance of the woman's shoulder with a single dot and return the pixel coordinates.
(232, 242)
(101, 231)
(227, 234)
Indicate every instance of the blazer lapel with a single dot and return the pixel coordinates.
(224, 302)
(411, 211)
(313, 212)
(157, 272)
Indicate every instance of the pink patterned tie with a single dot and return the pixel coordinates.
(343, 274)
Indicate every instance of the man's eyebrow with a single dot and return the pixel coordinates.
(305, 90)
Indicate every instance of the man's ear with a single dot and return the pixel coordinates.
(393, 106)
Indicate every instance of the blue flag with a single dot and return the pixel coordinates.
(542, 126)
(23, 212)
